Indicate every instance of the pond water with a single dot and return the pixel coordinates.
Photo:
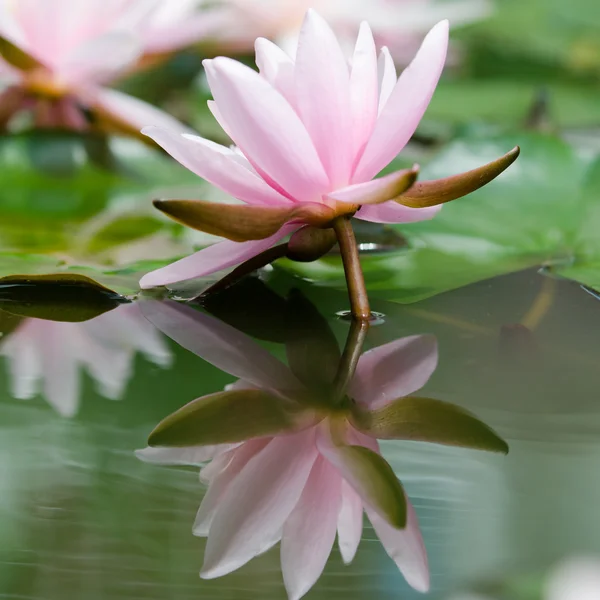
(82, 517)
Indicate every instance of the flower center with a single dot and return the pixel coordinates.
(42, 82)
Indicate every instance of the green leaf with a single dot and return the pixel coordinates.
(506, 100)
(428, 420)
(556, 34)
(124, 229)
(59, 297)
(225, 418)
(373, 478)
(82, 204)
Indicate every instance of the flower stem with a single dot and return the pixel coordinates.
(256, 262)
(359, 301)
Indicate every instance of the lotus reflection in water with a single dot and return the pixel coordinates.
(45, 356)
(293, 449)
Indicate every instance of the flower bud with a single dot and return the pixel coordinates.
(310, 243)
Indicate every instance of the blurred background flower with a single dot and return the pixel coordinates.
(398, 24)
(57, 56)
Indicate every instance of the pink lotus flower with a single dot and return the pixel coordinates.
(314, 478)
(46, 356)
(311, 134)
(59, 55)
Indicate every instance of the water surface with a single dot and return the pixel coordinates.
(82, 517)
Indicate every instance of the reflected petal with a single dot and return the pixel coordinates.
(368, 473)
(221, 473)
(51, 353)
(309, 532)
(350, 523)
(60, 368)
(405, 547)
(22, 352)
(194, 455)
(218, 343)
(258, 502)
(396, 369)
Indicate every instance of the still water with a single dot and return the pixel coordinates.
(82, 517)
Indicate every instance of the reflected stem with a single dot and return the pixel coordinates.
(349, 360)
(357, 291)
(256, 262)
(541, 304)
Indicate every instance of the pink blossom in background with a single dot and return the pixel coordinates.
(397, 24)
(47, 357)
(309, 130)
(82, 46)
(299, 489)
(175, 24)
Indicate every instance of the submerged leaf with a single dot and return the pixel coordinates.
(66, 297)
(250, 306)
(242, 222)
(428, 420)
(439, 191)
(311, 347)
(227, 417)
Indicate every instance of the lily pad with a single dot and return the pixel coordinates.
(526, 36)
(543, 211)
(62, 297)
(73, 203)
(507, 101)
